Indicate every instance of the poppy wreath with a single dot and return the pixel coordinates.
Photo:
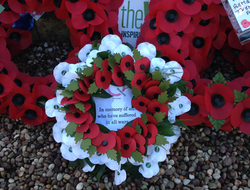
(153, 86)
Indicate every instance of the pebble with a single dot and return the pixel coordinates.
(186, 181)
(177, 180)
(171, 184)
(227, 161)
(214, 158)
(66, 176)
(216, 176)
(212, 186)
(79, 186)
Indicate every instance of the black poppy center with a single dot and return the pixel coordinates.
(149, 135)
(138, 82)
(189, 2)
(88, 15)
(102, 78)
(4, 71)
(166, 59)
(110, 31)
(141, 103)
(246, 115)
(58, 3)
(163, 38)
(73, 1)
(21, 1)
(104, 143)
(77, 115)
(204, 22)
(194, 109)
(180, 33)
(157, 109)
(30, 114)
(18, 99)
(152, 24)
(172, 16)
(126, 147)
(204, 7)
(96, 36)
(198, 42)
(217, 100)
(1, 89)
(244, 88)
(137, 145)
(15, 36)
(193, 83)
(90, 81)
(80, 92)
(84, 30)
(142, 67)
(40, 100)
(119, 74)
(127, 135)
(88, 131)
(127, 64)
(6, 6)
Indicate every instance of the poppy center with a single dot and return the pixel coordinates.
(142, 67)
(4, 71)
(166, 59)
(217, 100)
(127, 135)
(58, 3)
(137, 145)
(180, 33)
(235, 51)
(80, 92)
(198, 42)
(172, 16)
(88, 131)
(152, 24)
(18, 99)
(1, 89)
(204, 22)
(194, 109)
(149, 135)
(104, 143)
(102, 78)
(127, 64)
(90, 81)
(244, 88)
(77, 115)
(119, 74)
(189, 2)
(73, 1)
(246, 115)
(95, 1)
(204, 7)
(95, 36)
(88, 15)
(163, 38)
(30, 114)
(6, 6)
(40, 100)
(21, 1)
(15, 36)
(157, 109)
(126, 147)
(141, 103)
(138, 82)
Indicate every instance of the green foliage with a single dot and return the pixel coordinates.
(98, 62)
(101, 93)
(129, 75)
(132, 170)
(136, 92)
(159, 116)
(138, 128)
(165, 128)
(163, 97)
(65, 109)
(156, 75)
(218, 78)
(93, 88)
(180, 124)
(74, 85)
(161, 140)
(137, 55)
(216, 123)
(164, 85)
(80, 106)
(239, 96)
(98, 171)
(103, 128)
(137, 156)
(117, 57)
(91, 150)
(71, 128)
(103, 54)
(67, 93)
(111, 61)
(85, 144)
(129, 123)
(144, 118)
(112, 154)
(78, 137)
(88, 71)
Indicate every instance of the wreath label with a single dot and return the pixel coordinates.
(116, 111)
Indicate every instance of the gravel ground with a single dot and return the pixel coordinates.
(201, 159)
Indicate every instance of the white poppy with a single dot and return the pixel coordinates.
(112, 164)
(57, 133)
(68, 77)
(79, 152)
(175, 137)
(135, 163)
(60, 70)
(172, 71)
(149, 168)
(83, 53)
(59, 97)
(77, 67)
(67, 152)
(120, 176)
(108, 46)
(67, 139)
(61, 119)
(157, 64)
(87, 168)
(98, 158)
(158, 153)
(123, 50)
(91, 55)
(147, 50)
(52, 107)
(114, 38)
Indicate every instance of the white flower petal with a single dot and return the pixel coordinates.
(159, 154)
(108, 46)
(68, 140)
(149, 169)
(77, 67)
(82, 55)
(157, 64)
(172, 71)
(98, 158)
(91, 55)
(79, 152)
(114, 38)
(57, 133)
(51, 107)
(147, 50)
(112, 164)
(123, 50)
(60, 70)
(67, 152)
(68, 77)
(87, 167)
(120, 176)
(59, 97)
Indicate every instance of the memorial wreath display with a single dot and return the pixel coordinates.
(119, 106)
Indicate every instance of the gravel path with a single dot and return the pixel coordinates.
(201, 159)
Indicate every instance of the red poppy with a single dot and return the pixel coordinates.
(207, 10)
(24, 81)
(190, 70)
(126, 133)
(8, 16)
(117, 76)
(219, 101)
(149, 83)
(8, 68)
(140, 143)
(140, 103)
(149, 27)
(118, 141)
(156, 107)
(91, 15)
(6, 85)
(103, 79)
(127, 63)
(229, 53)
(87, 82)
(71, 100)
(42, 5)
(60, 10)
(138, 80)
(108, 141)
(142, 65)
(233, 41)
(153, 92)
(151, 119)
(51, 81)
(219, 40)
(4, 105)
(115, 4)
(78, 117)
(76, 7)
(81, 95)
(240, 116)
(188, 7)
(143, 126)
(170, 54)
(243, 83)
(92, 132)
(152, 133)
(20, 6)
(83, 127)
(128, 147)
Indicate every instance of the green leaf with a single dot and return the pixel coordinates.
(136, 92)
(129, 123)
(216, 123)
(159, 116)
(137, 156)
(165, 128)
(156, 75)
(80, 74)
(71, 128)
(132, 170)
(93, 88)
(180, 124)
(92, 110)
(112, 154)
(91, 150)
(111, 61)
(218, 78)
(171, 99)
(163, 97)
(1, 8)
(127, 82)
(73, 85)
(158, 54)
(161, 140)
(85, 144)
(65, 109)
(103, 128)
(101, 93)
(164, 85)
(98, 62)
(137, 55)
(98, 171)
(117, 57)
(80, 106)
(73, 164)
(94, 44)
(119, 155)
(144, 118)
(103, 54)
(89, 163)
(239, 96)
(81, 163)
(138, 128)
(129, 74)
(78, 137)
(88, 71)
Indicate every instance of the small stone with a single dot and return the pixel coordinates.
(169, 172)
(196, 182)
(216, 176)
(214, 158)
(49, 173)
(177, 180)
(11, 180)
(59, 177)
(51, 166)
(186, 181)
(212, 186)
(223, 149)
(66, 176)
(79, 186)
(31, 169)
(45, 44)
(210, 172)
(171, 184)
(43, 179)
(68, 186)
(227, 161)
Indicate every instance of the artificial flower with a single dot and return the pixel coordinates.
(147, 50)
(140, 103)
(120, 176)
(155, 107)
(60, 70)
(142, 65)
(149, 168)
(138, 80)
(123, 50)
(157, 153)
(52, 107)
(6, 85)
(67, 152)
(127, 63)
